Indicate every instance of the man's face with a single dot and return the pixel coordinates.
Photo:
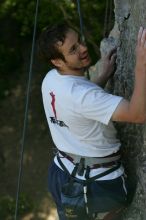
(75, 54)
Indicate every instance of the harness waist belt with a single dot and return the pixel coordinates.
(93, 161)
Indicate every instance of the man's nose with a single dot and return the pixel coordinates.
(83, 47)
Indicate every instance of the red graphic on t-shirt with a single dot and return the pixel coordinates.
(53, 103)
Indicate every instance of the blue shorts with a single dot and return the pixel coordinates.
(104, 192)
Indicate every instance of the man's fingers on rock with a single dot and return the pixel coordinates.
(111, 52)
(113, 57)
(143, 37)
(140, 34)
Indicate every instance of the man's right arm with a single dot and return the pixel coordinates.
(135, 110)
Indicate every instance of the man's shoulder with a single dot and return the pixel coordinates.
(49, 76)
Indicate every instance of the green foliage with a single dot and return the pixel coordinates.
(10, 59)
(21, 13)
(53, 11)
(7, 206)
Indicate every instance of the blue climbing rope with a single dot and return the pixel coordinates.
(81, 20)
(26, 111)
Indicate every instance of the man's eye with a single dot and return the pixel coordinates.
(73, 49)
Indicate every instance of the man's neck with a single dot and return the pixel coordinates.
(76, 72)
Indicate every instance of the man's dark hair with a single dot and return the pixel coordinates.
(47, 47)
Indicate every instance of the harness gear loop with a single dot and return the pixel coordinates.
(75, 170)
(85, 198)
(81, 167)
(87, 172)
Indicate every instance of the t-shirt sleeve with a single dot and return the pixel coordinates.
(97, 104)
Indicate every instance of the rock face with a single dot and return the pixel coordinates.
(129, 16)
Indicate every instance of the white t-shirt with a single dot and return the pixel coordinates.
(78, 113)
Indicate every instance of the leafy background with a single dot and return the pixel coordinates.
(17, 20)
(16, 25)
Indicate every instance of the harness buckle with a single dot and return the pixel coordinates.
(81, 167)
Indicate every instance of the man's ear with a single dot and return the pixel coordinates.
(57, 62)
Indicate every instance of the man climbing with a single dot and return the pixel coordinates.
(86, 178)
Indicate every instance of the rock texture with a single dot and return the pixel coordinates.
(129, 16)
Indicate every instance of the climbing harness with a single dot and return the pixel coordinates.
(26, 111)
(75, 195)
(79, 167)
(95, 162)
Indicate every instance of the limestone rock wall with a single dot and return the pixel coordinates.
(129, 16)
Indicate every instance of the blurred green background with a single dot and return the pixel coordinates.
(16, 24)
